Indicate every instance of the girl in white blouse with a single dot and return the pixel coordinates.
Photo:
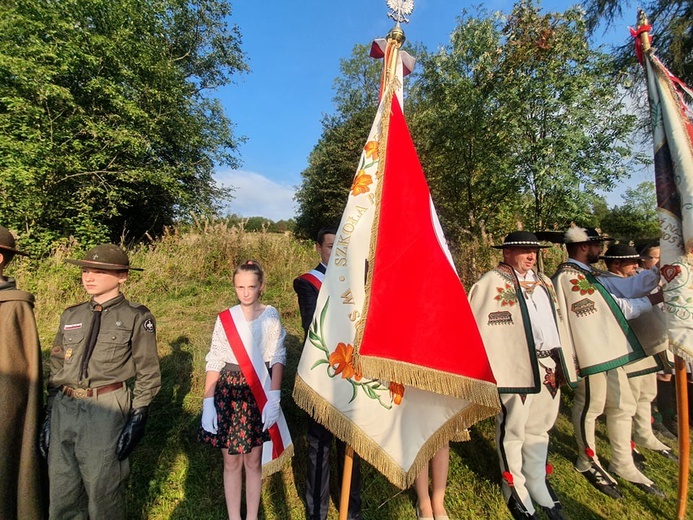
(231, 418)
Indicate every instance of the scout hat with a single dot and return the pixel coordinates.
(7, 242)
(107, 257)
(520, 239)
(620, 252)
(579, 235)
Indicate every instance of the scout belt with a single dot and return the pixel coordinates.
(86, 393)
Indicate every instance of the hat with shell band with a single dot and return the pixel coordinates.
(7, 242)
(107, 257)
(520, 239)
(579, 235)
(620, 252)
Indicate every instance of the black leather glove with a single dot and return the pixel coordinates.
(132, 433)
(45, 434)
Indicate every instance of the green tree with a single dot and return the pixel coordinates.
(106, 128)
(565, 112)
(671, 30)
(332, 162)
(460, 133)
(636, 219)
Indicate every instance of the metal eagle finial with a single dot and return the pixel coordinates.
(400, 10)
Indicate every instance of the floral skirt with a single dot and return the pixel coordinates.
(239, 423)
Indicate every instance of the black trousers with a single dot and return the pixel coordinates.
(318, 478)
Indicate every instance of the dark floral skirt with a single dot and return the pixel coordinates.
(239, 423)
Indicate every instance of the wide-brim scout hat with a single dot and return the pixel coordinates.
(106, 257)
(579, 235)
(520, 239)
(7, 242)
(620, 252)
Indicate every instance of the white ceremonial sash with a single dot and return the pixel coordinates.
(279, 449)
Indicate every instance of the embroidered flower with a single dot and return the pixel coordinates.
(342, 360)
(583, 285)
(506, 295)
(589, 452)
(396, 392)
(550, 378)
(361, 184)
(508, 477)
(371, 149)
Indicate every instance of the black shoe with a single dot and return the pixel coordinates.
(668, 455)
(553, 513)
(518, 511)
(663, 430)
(650, 490)
(671, 424)
(598, 480)
(552, 494)
(639, 459)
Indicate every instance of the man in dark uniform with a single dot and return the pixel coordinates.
(307, 287)
(94, 420)
(21, 396)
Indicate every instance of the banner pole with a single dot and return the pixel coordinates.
(684, 441)
(346, 482)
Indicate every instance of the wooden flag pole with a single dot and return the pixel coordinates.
(346, 482)
(684, 441)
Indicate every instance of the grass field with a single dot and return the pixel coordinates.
(186, 282)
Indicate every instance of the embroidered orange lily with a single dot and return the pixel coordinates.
(342, 360)
(371, 149)
(396, 392)
(361, 184)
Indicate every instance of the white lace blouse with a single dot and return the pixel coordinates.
(268, 336)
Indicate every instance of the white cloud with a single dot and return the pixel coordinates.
(257, 196)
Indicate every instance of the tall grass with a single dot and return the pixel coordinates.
(186, 282)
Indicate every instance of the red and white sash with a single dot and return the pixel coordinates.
(279, 448)
(314, 277)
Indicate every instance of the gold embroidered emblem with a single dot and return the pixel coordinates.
(500, 318)
(583, 307)
(68, 354)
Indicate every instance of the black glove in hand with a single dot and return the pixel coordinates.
(45, 434)
(132, 433)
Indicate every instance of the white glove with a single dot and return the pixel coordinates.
(209, 415)
(270, 413)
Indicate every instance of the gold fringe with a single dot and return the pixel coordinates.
(432, 380)
(343, 428)
(382, 153)
(279, 463)
(462, 436)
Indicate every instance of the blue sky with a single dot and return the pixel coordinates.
(293, 51)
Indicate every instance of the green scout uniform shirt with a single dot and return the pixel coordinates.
(125, 348)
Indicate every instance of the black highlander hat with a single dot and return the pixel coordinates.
(520, 239)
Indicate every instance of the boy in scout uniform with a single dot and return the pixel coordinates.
(94, 420)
